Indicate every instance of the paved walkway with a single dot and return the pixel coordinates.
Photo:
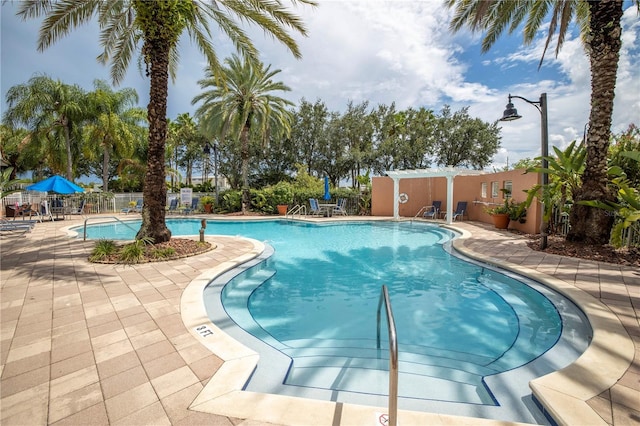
(84, 344)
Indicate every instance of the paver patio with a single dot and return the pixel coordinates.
(85, 343)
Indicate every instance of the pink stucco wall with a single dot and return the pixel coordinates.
(423, 191)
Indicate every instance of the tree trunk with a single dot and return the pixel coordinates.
(105, 168)
(244, 155)
(155, 190)
(589, 224)
(67, 142)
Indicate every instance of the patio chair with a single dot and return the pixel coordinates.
(194, 206)
(314, 209)
(79, 210)
(136, 209)
(173, 206)
(341, 207)
(45, 210)
(460, 209)
(433, 211)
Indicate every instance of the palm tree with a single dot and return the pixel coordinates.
(158, 25)
(240, 102)
(599, 22)
(114, 124)
(52, 111)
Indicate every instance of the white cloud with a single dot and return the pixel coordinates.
(381, 52)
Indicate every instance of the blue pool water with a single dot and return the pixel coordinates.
(314, 300)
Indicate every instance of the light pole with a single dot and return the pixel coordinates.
(510, 114)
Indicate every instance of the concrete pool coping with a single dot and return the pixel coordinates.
(562, 394)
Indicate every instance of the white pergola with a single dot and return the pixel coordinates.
(449, 172)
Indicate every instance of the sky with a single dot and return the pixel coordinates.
(376, 51)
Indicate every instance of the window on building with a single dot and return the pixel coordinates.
(483, 190)
(494, 189)
(508, 186)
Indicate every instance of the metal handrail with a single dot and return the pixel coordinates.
(298, 208)
(393, 354)
(84, 233)
(422, 209)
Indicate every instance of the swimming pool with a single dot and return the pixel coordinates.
(444, 307)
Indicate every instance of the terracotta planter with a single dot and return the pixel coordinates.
(501, 220)
(282, 209)
(208, 208)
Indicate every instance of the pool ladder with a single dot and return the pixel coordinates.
(84, 238)
(299, 209)
(393, 354)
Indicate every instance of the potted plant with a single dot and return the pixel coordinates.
(282, 196)
(207, 202)
(505, 213)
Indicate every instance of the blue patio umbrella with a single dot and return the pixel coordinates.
(56, 184)
(327, 195)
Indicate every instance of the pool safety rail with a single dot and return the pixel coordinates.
(299, 209)
(393, 354)
(84, 232)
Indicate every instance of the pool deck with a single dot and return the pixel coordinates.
(85, 343)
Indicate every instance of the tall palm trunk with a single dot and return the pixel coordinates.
(67, 143)
(155, 190)
(105, 166)
(589, 224)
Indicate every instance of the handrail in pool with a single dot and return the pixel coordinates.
(393, 354)
(84, 233)
(299, 209)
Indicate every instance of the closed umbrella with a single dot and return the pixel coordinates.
(56, 184)
(327, 195)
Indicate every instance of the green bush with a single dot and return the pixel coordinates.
(102, 250)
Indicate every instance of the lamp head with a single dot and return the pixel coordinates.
(511, 113)
(206, 149)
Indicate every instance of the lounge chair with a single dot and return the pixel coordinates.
(460, 209)
(433, 211)
(194, 206)
(16, 227)
(314, 209)
(341, 207)
(173, 206)
(136, 209)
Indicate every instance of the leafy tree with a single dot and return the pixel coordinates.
(114, 123)
(158, 25)
(241, 100)
(599, 23)
(8, 184)
(464, 141)
(358, 139)
(308, 131)
(332, 157)
(52, 112)
(621, 145)
(403, 139)
(12, 152)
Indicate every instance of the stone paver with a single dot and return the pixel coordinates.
(85, 344)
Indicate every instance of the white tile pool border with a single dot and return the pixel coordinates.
(563, 393)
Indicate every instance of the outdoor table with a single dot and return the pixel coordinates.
(328, 208)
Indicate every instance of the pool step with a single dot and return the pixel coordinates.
(366, 349)
(352, 375)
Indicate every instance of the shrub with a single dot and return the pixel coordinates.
(103, 249)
